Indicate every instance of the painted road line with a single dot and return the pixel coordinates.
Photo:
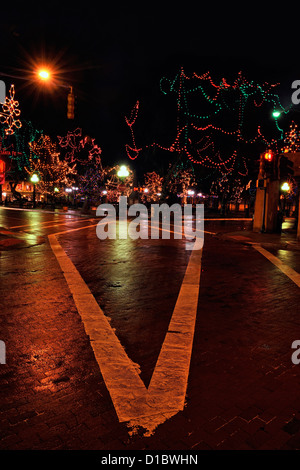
(134, 403)
(52, 223)
(231, 218)
(180, 233)
(289, 272)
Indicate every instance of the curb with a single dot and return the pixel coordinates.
(280, 245)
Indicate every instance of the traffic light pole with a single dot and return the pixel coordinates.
(267, 196)
(263, 226)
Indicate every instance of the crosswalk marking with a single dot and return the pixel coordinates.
(134, 403)
(293, 275)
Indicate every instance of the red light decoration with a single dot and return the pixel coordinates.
(72, 142)
(132, 152)
(199, 135)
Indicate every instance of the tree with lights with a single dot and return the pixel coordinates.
(55, 174)
(82, 152)
(291, 141)
(119, 181)
(153, 187)
(179, 180)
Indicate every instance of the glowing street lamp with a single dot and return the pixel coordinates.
(44, 75)
(123, 172)
(285, 187)
(34, 180)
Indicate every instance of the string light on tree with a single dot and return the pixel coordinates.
(55, 174)
(292, 139)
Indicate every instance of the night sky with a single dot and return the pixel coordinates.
(115, 55)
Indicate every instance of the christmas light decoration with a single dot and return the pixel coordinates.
(10, 112)
(74, 145)
(153, 187)
(70, 142)
(201, 136)
(132, 152)
(54, 174)
(116, 185)
(291, 139)
(16, 148)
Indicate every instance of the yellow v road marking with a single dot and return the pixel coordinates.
(165, 396)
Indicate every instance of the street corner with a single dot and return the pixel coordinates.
(271, 241)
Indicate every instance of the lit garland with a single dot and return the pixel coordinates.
(70, 142)
(132, 152)
(9, 113)
(227, 101)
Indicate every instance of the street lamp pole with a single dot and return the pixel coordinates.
(45, 76)
(34, 179)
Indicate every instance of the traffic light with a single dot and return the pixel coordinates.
(285, 168)
(71, 103)
(268, 158)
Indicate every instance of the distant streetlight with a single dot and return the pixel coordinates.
(285, 187)
(44, 75)
(123, 172)
(34, 180)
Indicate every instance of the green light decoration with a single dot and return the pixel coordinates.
(212, 120)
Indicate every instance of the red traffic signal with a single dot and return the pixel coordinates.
(268, 156)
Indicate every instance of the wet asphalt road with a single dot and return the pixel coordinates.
(242, 386)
